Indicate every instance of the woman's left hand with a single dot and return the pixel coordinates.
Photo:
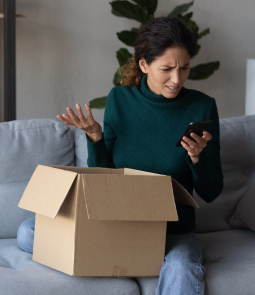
(195, 148)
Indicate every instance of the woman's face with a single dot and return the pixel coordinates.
(171, 69)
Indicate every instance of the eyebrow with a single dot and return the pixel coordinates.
(171, 67)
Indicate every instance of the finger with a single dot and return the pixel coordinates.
(191, 151)
(89, 113)
(67, 116)
(63, 117)
(187, 147)
(81, 115)
(189, 141)
(207, 135)
(65, 120)
(85, 121)
(74, 118)
(201, 142)
(198, 138)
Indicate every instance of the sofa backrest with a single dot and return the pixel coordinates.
(27, 143)
(237, 141)
(24, 145)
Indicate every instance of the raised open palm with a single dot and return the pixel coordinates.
(89, 124)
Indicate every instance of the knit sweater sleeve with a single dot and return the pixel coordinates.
(100, 152)
(207, 172)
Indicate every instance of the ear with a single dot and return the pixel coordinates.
(143, 65)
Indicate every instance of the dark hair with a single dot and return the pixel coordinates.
(152, 40)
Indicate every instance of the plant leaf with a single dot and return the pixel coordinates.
(203, 33)
(180, 9)
(203, 71)
(134, 30)
(123, 55)
(116, 13)
(127, 37)
(192, 26)
(187, 16)
(130, 10)
(98, 103)
(141, 3)
(117, 78)
(151, 6)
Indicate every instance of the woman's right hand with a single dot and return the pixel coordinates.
(89, 125)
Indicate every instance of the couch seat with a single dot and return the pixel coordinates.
(19, 274)
(229, 259)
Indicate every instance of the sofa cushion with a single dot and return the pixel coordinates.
(237, 141)
(21, 275)
(244, 216)
(24, 145)
(229, 259)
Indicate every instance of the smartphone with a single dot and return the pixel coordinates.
(195, 127)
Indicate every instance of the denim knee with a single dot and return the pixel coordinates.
(182, 271)
(183, 247)
(25, 235)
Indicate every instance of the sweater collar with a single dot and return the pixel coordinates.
(159, 97)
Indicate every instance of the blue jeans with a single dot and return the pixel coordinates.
(25, 235)
(181, 273)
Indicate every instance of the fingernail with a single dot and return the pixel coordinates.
(86, 105)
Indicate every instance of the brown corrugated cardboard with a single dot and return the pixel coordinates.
(102, 221)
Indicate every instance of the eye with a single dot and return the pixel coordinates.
(170, 69)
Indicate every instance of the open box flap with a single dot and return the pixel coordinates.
(181, 195)
(129, 197)
(130, 171)
(46, 190)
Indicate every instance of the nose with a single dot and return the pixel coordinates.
(175, 77)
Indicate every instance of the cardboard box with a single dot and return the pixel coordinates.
(102, 221)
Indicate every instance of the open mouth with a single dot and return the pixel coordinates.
(172, 89)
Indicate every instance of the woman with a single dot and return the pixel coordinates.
(143, 119)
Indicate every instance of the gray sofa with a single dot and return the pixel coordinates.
(225, 227)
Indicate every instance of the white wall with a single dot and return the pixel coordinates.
(231, 41)
(66, 52)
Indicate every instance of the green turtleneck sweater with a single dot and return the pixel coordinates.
(140, 131)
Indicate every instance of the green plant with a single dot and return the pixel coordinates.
(143, 11)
